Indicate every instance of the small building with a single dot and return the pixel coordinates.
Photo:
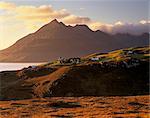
(75, 60)
(61, 60)
(31, 67)
(130, 52)
(94, 59)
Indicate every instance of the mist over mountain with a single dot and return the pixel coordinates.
(55, 39)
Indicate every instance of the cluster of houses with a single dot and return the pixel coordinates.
(130, 52)
(75, 60)
(131, 63)
(128, 63)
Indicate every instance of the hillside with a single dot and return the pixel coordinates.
(120, 72)
(55, 39)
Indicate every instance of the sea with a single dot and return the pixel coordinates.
(16, 66)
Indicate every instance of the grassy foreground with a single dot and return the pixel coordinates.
(77, 107)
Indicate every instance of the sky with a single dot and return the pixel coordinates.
(21, 17)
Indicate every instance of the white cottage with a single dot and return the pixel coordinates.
(95, 59)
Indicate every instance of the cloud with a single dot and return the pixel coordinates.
(25, 19)
(43, 12)
(39, 15)
(43, 9)
(7, 5)
(144, 21)
(60, 14)
(32, 13)
(72, 19)
(119, 23)
(101, 26)
(133, 28)
(120, 27)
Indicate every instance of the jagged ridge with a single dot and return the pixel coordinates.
(55, 39)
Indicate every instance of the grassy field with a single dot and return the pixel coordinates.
(77, 107)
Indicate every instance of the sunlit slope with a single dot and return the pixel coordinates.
(142, 53)
(120, 72)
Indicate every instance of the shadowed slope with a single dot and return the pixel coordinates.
(42, 84)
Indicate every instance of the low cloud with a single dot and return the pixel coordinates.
(120, 27)
(100, 26)
(136, 29)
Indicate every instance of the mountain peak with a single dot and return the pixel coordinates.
(53, 24)
(54, 21)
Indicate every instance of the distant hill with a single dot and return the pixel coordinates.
(55, 39)
(117, 73)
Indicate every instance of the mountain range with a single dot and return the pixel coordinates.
(56, 39)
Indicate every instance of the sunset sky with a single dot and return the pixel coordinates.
(21, 17)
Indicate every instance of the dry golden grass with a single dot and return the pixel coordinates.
(81, 107)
